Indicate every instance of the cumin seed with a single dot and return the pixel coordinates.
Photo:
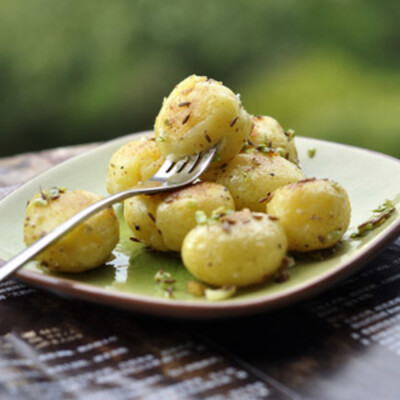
(233, 122)
(186, 119)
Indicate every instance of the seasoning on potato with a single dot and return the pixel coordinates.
(238, 249)
(268, 133)
(132, 163)
(163, 220)
(140, 216)
(252, 176)
(87, 246)
(198, 114)
(315, 213)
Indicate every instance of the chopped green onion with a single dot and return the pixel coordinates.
(162, 137)
(290, 134)
(217, 157)
(281, 152)
(381, 214)
(166, 282)
(40, 202)
(311, 152)
(219, 294)
(201, 217)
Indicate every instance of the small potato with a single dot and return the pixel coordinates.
(198, 114)
(87, 246)
(176, 213)
(240, 249)
(140, 215)
(268, 132)
(134, 162)
(162, 221)
(314, 213)
(252, 176)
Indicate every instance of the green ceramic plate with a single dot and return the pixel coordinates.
(128, 281)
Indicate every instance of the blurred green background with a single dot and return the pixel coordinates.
(83, 71)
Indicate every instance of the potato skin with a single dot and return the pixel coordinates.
(162, 221)
(267, 131)
(242, 249)
(140, 216)
(87, 246)
(198, 114)
(132, 163)
(314, 213)
(252, 176)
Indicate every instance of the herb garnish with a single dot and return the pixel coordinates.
(217, 157)
(47, 195)
(290, 133)
(166, 282)
(265, 149)
(281, 152)
(381, 214)
(311, 152)
(202, 219)
(162, 137)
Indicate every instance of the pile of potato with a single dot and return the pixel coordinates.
(235, 225)
(253, 204)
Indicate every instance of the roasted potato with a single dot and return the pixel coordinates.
(240, 249)
(132, 163)
(87, 246)
(315, 213)
(267, 132)
(162, 221)
(198, 114)
(252, 176)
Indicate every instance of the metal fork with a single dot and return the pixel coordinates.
(171, 175)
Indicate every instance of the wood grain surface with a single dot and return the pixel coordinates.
(20, 168)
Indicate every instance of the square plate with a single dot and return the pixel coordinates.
(128, 280)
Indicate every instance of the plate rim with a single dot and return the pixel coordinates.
(197, 309)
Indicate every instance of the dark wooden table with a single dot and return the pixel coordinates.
(343, 344)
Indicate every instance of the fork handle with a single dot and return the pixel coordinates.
(30, 252)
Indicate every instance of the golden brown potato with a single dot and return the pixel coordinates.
(314, 213)
(267, 132)
(134, 162)
(87, 246)
(252, 176)
(198, 114)
(240, 249)
(162, 221)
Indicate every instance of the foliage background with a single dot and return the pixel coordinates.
(82, 71)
